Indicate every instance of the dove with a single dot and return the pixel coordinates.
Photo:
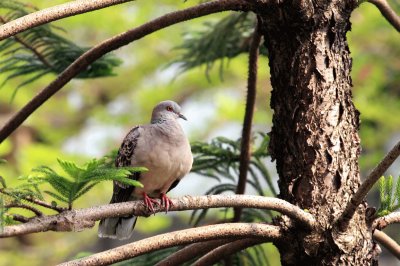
(163, 148)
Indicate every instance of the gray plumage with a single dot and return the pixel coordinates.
(161, 147)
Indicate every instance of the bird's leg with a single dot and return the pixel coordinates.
(165, 201)
(149, 202)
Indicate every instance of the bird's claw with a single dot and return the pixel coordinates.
(166, 202)
(149, 202)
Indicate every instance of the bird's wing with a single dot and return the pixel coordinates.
(122, 192)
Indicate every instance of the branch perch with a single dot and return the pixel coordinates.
(54, 13)
(387, 12)
(77, 220)
(112, 44)
(381, 222)
(203, 233)
(366, 186)
(387, 242)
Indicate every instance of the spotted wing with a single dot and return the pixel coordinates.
(122, 192)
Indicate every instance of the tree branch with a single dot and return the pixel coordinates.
(227, 250)
(203, 233)
(77, 220)
(192, 251)
(381, 222)
(248, 117)
(387, 12)
(112, 44)
(366, 186)
(54, 13)
(387, 242)
(24, 206)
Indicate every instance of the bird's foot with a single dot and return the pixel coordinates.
(149, 202)
(166, 202)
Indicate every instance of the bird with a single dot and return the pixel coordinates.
(163, 148)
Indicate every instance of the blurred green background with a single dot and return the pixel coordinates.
(88, 118)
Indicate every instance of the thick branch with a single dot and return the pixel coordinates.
(204, 233)
(387, 12)
(192, 251)
(381, 222)
(80, 219)
(226, 250)
(248, 117)
(366, 186)
(112, 44)
(387, 242)
(54, 13)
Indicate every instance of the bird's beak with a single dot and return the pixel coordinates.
(182, 116)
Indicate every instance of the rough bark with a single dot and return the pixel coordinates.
(314, 138)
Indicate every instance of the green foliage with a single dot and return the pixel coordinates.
(389, 195)
(68, 188)
(226, 38)
(220, 160)
(40, 51)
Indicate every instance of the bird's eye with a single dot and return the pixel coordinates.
(169, 108)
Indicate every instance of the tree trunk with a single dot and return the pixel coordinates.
(314, 138)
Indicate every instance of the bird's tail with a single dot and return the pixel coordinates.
(118, 228)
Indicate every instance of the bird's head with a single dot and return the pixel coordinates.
(166, 110)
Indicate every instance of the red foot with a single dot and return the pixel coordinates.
(149, 202)
(165, 201)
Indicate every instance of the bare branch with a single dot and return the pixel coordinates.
(227, 250)
(366, 186)
(24, 206)
(387, 12)
(381, 222)
(248, 117)
(192, 251)
(112, 44)
(54, 13)
(387, 242)
(20, 218)
(203, 233)
(76, 220)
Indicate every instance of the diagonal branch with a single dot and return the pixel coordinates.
(387, 12)
(381, 222)
(112, 44)
(54, 13)
(387, 242)
(203, 233)
(192, 251)
(248, 116)
(226, 250)
(77, 220)
(366, 186)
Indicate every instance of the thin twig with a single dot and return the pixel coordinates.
(54, 13)
(182, 237)
(387, 242)
(37, 202)
(80, 219)
(226, 250)
(381, 222)
(248, 117)
(112, 44)
(24, 206)
(20, 218)
(387, 12)
(192, 251)
(366, 186)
